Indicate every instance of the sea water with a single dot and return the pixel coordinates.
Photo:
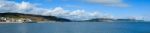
(76, 27)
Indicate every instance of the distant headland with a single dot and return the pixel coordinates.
(21, 17)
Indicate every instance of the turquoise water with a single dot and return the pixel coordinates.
(76, 27)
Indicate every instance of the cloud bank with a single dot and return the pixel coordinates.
(118, 3)
(75, 15)
(29, 8)
(112, 3)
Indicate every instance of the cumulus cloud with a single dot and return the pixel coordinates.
(113, 3)
(24, 5)
(7, 6)
(118, 3)
(29, 8)
(74, 15)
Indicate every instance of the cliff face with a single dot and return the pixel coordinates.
(33, 17)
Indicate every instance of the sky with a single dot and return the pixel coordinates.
(80, 9)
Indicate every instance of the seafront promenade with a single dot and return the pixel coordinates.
(14, 20)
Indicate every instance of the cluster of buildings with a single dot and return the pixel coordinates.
(13, 20)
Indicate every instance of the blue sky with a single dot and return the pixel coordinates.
(117, 8)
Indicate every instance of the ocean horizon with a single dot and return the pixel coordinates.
(76, 27)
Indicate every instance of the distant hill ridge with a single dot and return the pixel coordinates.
(113, 20)
(34, 17)
(37, 18)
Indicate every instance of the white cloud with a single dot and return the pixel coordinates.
(113, 3)
(118, 3)
(29, 8)
(7, 6)
(24, 5)
(74, 15)
(58, 11)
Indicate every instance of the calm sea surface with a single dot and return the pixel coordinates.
(76, 27)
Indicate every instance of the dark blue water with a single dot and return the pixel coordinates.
(76, 27)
